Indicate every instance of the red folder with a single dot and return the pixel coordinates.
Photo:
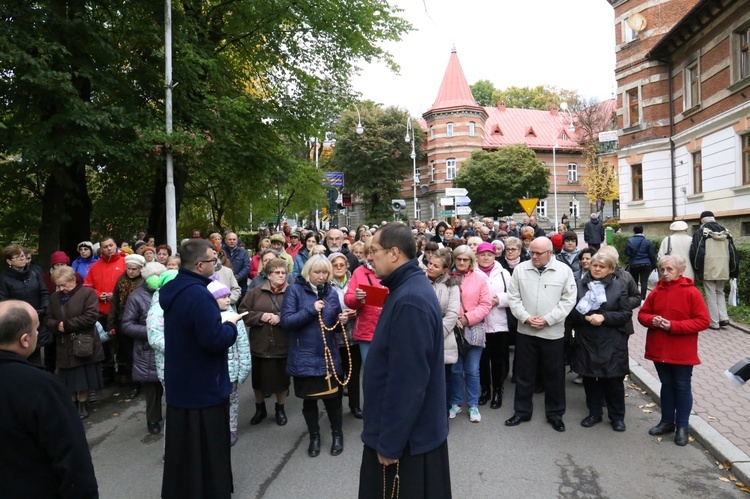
(375, 295)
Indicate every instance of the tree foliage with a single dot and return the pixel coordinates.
(482, 92)
(541, 97)
(375, 162)
(601, 180)
(497, 180)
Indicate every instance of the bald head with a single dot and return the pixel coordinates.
(18, 327)
(541, 251)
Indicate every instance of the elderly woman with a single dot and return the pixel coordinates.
(513, 255)
(72, 314)
(367, 315)
(310, 314)
(163, 252)
(18, 281)
(149, 253)
(449, 295)
(269, 343)
(144, 357)
(476, 303)
(340, 280)
(311, 240)
(601, 353)
(494, 365)
(674, 314)
(473, 243)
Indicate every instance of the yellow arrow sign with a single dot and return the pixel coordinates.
(528, 205)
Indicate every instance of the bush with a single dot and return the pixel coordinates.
(612, 222)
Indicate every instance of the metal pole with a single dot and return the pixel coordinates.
(171, 205)
(554, 178)
(317, 220)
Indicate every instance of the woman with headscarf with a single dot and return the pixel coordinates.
(87, 258)
(310, 314)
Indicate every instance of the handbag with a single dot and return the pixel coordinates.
(463, 345)
(83, 345)
(475, 335)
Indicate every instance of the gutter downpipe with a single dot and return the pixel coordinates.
(671, 141)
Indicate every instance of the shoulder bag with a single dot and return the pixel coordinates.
(83, 344)
(475, 334)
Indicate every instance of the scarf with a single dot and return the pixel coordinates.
(486, 270)
(512, 263)
(278, 289)
(125, 285)
(593, 299)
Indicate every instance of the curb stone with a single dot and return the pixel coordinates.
(716, 443)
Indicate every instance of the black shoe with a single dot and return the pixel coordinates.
(516, 420)
(135, 392)
(618, 425)
(661, 429)
(557, 424)
(484, 396)
(313, 450)
(82, 412)
(260, 413)
(590, 421)
(497, 399)
(337, 447)
(154, 428)
(280, 415)
(681, 437)
(723, 323)
(357, 412)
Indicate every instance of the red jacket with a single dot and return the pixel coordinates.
(367, 315)
(102, 277)
(681, 303)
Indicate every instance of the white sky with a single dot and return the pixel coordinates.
(566, 43)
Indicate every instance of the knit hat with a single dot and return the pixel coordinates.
(148, 248)
(58, 257)
(294, 234)
(88, 244)
(335, 255)
(127, 250)
(278, 238)
(678, 226)
(138, 245)
(135, 260)
(557, 240)
(707, 214)
(486, 247)
(218, 289)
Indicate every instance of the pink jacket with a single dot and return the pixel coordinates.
(367, 315)
(476, 301)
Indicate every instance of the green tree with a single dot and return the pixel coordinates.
(375, 163)
(541, 97)
(497, 180)
(482, 92)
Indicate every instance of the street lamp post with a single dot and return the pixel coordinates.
(413, 155)
(571, 129)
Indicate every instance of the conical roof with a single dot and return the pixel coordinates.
(454, 90)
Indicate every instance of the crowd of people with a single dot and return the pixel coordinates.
(320, 315)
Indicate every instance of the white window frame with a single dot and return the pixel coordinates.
(449, 130)
(572, 173)
(472, 129)
(628, 33)
(574, 209)
(450, 169)
(432, 171)
(432, 131)
(541, 208)
(692, 70)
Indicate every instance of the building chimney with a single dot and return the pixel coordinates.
(501, 105)
(553, 110)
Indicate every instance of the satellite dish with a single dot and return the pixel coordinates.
(637, 22)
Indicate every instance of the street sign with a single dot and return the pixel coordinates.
(608, 136)
(448, 213)
(528, 205)
(456, 191)
(353, 214)
(463, 200)
(463, 210)
(446, 201)
(334, 179)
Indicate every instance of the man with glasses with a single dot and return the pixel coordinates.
(196, 453)
(541, 294)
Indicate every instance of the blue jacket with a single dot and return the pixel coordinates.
(82, 265)
(196, 373)
(240, 265)
(300, 262)
(300, 320)
(404, 378)
(640, 251)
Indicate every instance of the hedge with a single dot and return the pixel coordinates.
(620, 240)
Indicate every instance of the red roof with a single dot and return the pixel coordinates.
(454, 90)
(536, 129)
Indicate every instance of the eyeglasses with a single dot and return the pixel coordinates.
(19, 257)
(510, 249)
(212, 261)
(279, 272)
(463, 259)
(339, 265)
(538, 253)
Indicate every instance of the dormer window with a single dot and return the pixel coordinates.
(496, 130)
(530, 132)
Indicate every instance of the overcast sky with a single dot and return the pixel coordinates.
(565, 43)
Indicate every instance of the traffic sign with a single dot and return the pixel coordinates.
(528, 205)
(446, 201)
(456, 191)
(463, 210)
(463, 200)
(448, 213)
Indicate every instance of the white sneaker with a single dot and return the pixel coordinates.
(474, 415)
(455, 409)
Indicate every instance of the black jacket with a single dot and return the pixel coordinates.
(44, 452)
(602, 351)
(27, 285)
(593, 233)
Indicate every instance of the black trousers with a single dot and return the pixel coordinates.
(333, 408)
(421, 476)
(611, 390)
(152, 392)
(353, 386)
(494, 365)
(549, 355)
(640, 274)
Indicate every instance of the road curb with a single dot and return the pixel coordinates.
(716, 443)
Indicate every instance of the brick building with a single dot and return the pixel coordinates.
(683, 84)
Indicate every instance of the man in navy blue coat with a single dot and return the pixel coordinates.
(197, 459)
(405, 423)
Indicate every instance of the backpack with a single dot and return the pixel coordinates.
(719, 255)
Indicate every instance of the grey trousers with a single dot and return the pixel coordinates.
(716, 301)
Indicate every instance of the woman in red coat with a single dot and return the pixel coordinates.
(674, 314)
(367, 315)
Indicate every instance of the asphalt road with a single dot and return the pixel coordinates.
(487, 459)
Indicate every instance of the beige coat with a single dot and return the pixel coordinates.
(450, 304)
(680, 242)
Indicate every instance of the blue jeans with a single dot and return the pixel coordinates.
(466, 368)
(364, 347)
(676, 393)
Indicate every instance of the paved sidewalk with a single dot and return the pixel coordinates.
(721, 413)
